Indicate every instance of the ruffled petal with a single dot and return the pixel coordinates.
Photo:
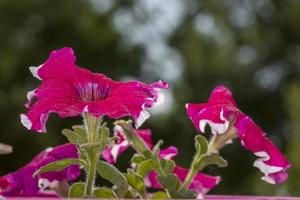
(201, 183)
(217, 113)
(61, 65)
(53, 96)
(208, 114)
(137, 98)
(22, 182)
(271, 161)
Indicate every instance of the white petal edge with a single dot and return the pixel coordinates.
(34, 70)
(44, 184)
(268, 179)
(115, 149)
(26, 121)
(30, 94)
(216, 128)
(143, 116)
(262, 166)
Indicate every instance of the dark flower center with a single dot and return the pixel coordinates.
(93, 91)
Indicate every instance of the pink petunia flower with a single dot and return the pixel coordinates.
(219, 112)
(22, 182)
(69, 90)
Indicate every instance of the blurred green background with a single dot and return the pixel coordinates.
(251, 46)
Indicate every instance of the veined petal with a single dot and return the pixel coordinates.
(138, 98)
(52, 96)
(69, 90)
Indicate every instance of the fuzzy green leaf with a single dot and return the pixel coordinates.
(60, 165)
(136, 182)
(104, 193)
(212, 159)
(183, 194)
(145, 167)
(201, 144)
(113, 175)
(137, 159)
(159, 195)
(169, 182)
(80, 130)
(167, 165)
(77, 190)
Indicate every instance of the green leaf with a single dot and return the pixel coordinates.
(201, 144)
(104, 193)
(212, 159)
(81, 131)
(167, 165)
(103, 136)
(74, 137)
(159, 195)
(77, 190)
(136, 182)
(137, 159)
(60, 165)
(145, 167)
(183, 194)
(113, 175)
(169, 182)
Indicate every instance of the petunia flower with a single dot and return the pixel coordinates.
(69, 90)
(225, 119)
(22, 182)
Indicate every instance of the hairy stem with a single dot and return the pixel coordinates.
(92, 124)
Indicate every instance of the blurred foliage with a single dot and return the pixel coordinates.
(253, 47)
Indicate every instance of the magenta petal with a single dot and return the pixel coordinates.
(201, 183)
(59, 65)
(52, 96)
(69, 90)
(111, 154)
(168, 153)
(22, 182)
(138, 97)
(217, 113)
(213, 115)
(221, 95)
(271, 160)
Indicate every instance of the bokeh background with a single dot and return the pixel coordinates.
(251, 46)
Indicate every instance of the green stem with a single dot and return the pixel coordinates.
(135, 141)
(192, 172)
(92, 124)
(90, 180)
